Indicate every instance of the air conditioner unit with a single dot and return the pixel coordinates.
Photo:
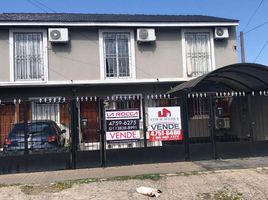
(146, 35)
(221, 33)
(222, 123)
(58, 35)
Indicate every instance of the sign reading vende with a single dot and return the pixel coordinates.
(122, 125)
(164, 123)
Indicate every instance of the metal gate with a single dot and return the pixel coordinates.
(61, 133)
(134, 145)
(227, 124)
(35, 134)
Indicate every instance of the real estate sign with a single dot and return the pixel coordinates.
(164, 123)
(122, 125)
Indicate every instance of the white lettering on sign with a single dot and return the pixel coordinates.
(123, 135)
(164, 123)
(133, 114)
(165, 126)
(122, 125)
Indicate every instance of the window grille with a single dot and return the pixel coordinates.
(198, 53)
(117, 54)
(28, 56)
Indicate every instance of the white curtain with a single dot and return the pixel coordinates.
(198, 53)
(117, 54)
(28, 56)
(46, 111)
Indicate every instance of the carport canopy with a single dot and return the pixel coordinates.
(245, 77)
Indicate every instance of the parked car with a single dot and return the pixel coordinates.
(44, 134)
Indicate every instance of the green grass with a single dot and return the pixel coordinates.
(154, 177)
(223, 194)
(6, 185)
(3, 185)
(63, 185)
(189, 173)
(29, 189)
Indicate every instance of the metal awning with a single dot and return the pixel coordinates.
(237, 77)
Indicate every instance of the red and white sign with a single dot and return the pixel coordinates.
(122, 125)
(122, 114)
(164, 123)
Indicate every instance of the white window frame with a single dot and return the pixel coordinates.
(183, 31)
(11, 54)
(132, 65)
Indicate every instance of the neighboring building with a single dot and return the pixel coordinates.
(57, 55)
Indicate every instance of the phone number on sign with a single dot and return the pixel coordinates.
(121, 125)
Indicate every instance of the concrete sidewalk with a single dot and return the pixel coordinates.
(133, 170)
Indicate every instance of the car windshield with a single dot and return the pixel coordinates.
(33, 128)
(38, 127)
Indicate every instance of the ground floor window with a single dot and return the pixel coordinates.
(46, 111)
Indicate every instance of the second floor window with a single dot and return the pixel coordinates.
(28, 55)
(117, 54)
(198, 53)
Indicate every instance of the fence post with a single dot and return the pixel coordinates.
(144, 121)
(74, 132)
(211, 127)
(185, 126)
(102, 133)
(25, 119)
(250, 120)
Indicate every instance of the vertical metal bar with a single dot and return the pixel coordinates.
(74, 132)
(249, 117)
(144, 121)
(185, 126)
(211, 127)
(102, 133)
(26, 150)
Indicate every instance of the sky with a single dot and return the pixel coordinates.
(252, 14)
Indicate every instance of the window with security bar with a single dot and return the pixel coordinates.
(117, 54)
(198, 53)
(28, 56)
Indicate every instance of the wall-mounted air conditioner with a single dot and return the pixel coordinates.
(221, 33)
(222, 123)
(58, 34)
(146, 35)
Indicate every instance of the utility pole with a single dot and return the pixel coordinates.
(242, 46)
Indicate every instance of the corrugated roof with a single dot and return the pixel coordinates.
(237, 77)
(78, 17)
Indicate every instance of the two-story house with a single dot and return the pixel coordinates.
(97, 55)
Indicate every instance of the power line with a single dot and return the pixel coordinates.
(254, 28)
(254, 13)
(84, 36)
(41, 5)
(36, 5)
(45, 6)
(264, 45)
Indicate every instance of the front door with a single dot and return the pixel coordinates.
(89, 121)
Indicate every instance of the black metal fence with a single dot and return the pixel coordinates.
(227, 124)
(61, 133)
